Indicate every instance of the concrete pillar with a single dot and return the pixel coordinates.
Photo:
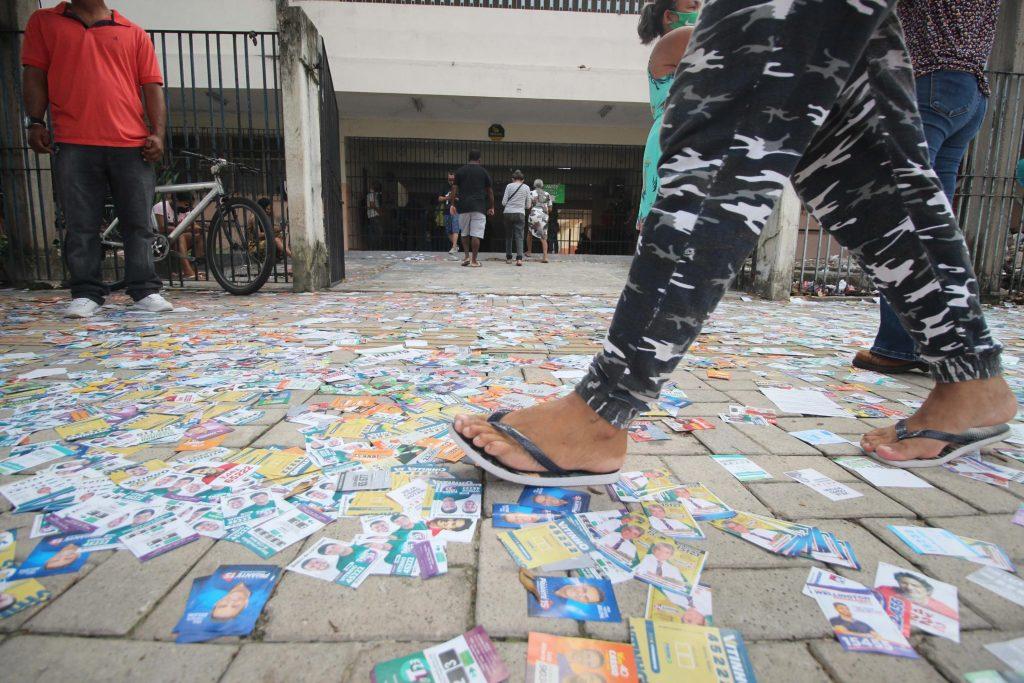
(300, 53)
(776, 250)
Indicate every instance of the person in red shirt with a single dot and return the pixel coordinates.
(89, 64)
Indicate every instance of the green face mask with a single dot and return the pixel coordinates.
(683, 19)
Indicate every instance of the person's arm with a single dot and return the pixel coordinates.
(490, 200)
(156, 112)
(36, 100)
(668, 51)
(455, 197)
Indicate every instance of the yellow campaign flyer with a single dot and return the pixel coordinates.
(552, 546)
(668, 563)
(670, 653)
(138, 470)
(16, 596)
(83, 429)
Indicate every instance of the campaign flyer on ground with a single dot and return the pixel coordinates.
(932, 604)
(512, 516)
(693, 609)
(457, 499)
(699, 500)
(560, 659)
(56, 555)
(226, 603)
(669, 564)
(7, 543)
(469, 658)
(633, 487)
(553, 546)
(566, 598)
(856, 615)
(673, 519)
(670, 653)
(343, 563)
(553, 499)
(17, 596)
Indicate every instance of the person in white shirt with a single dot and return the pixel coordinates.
(620, 542)
(666, 525)
(168, 214)
(517, 201)
(656, 566)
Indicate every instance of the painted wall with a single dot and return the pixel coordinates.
(462, 130)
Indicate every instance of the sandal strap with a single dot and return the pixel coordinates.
(529, 446)
(959, 439)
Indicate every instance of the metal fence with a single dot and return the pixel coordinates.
(223, 100)
(599, 188)
(988, 204)
(598, 6)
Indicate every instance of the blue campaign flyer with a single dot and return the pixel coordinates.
(226, 603)
(53, 555)
(565, 501)
(512, 516)
(565, 598)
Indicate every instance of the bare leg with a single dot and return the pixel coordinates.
(476, 247)
(186, 265)
(465, 248)
(544, 247)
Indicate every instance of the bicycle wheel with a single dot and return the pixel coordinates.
(240, 248)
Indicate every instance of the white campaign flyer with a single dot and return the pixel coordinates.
(830, 488)
(804, 402)
(933, 605)
(877, 474)
(1001, 583)
(741, 467)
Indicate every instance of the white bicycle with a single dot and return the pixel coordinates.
(240, 248)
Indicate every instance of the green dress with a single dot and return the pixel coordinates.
(659, 88)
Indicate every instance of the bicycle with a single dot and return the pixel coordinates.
(240, 248)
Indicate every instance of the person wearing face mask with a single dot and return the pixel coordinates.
(670, 23)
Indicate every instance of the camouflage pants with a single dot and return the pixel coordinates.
(820, 92)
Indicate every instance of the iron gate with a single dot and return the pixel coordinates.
(330, 169)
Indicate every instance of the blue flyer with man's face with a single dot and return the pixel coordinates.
(565, 598)
(226, 603)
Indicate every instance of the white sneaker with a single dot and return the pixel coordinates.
(154, 303)
(81, 308)
(453, 251)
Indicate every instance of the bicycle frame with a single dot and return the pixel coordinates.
(216, 191)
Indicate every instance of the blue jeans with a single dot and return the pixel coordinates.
(952, 110)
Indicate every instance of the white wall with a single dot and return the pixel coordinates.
(482, 52)
(526, 132)
(196, 15)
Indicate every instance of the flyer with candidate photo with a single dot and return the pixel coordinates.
(701, 502)
(671, 653)
(469, 658)
(695, 608)
(636, 486)
(553, 499)
(18, 596)
(277, 533)
(775, 535)
(567, 598)
(673, 520)
(512, 516)
(226, 603)
(553, 546)
(339, 562)
(457, 499)
(669, 564)
(53, 555)
(933, 605)
(561, 659)
(7, 546)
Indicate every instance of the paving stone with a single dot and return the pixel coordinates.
(111, 599)
(793, 501)
(854, 667)
(292, 662)
(776, 662)
(929, 502)
(765, 604)
(305, 609)
(501, 601)
(724, 439)
(956, 659)
(632, 599)
(754, 399)
(995, 528)
(95, 660)
(513, 653)
(726, 551)
(282, 434)
(718, 480)
(370, 654)
(245, 435)
(984, 497)
(678, 445)
(776, 440)
(778, 465)
(162, 619)
(705, 410)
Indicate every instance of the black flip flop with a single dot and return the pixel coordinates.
(555, 475)
(959, 444)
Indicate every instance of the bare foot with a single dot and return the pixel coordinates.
(952, 408)
(567, 430)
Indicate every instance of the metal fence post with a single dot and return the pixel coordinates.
(300, 54)
(776, 251)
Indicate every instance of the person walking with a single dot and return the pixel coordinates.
(821, 93)
(374, 233)
(451, 222)
(670, 23)
(516, 201)
(89, 64)
(553, 230)
(473, 199)
(541, 202)
(949, 42)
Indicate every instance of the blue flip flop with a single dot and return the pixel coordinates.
(554, 476)
(961, 444)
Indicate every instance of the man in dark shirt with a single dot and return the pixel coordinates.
(949, 42)
(472, 196)
(845, 625)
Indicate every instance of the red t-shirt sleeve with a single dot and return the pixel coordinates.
(145, 60)
(34, 51)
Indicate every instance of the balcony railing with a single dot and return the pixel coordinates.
(598, 6)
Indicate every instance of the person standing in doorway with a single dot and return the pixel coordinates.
(542, 202)
(451, 221)
(473, 199)
(553, 230)
(374, 233)
(516, 202)
(949, 42)
(88, 64)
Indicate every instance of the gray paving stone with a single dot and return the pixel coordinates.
(869, 549)
(304, 609)
(159, 622)
(725, 439)
(838, 425)
(775, 440)
(793, 501)
(678, 445)
(245, 435)
(705, 410)
(956, 659)
(284, 434)
(984, 497)
(929, 502)
(776, 662)
(632, 599)
(778, 465)
(765, 604)
(854, 667)
(370, 654)
(95, 660)
(994, 528)
(729, 552)
(718, 480)
(501, 600)
(292, 662)
(111, 599)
